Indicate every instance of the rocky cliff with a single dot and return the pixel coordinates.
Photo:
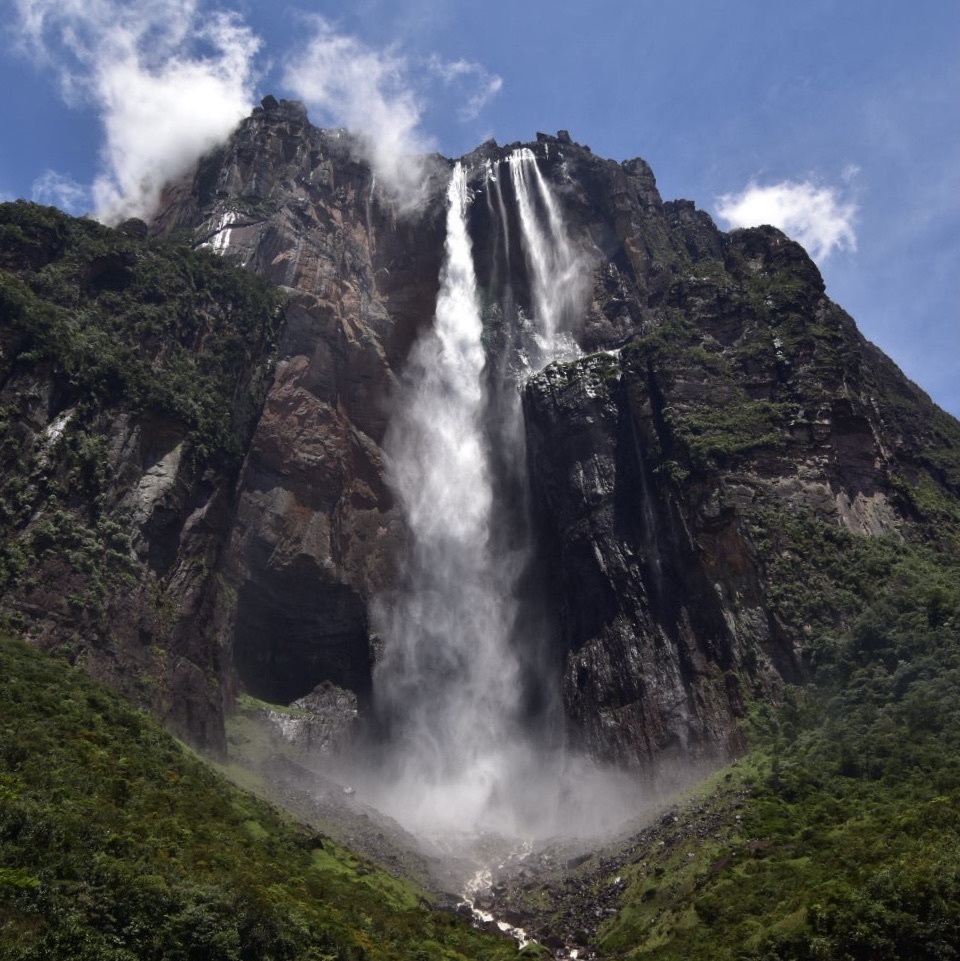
(720, 405)
(316, 532)
(132, 374)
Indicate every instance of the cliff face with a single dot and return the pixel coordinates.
(664, 469)
(719, 399)
(316, 533)
(131, 376)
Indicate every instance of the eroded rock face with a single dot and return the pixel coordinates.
(319, 724)
(127, 590)
(659, 467)
(718, 387)
(648, 649)
(316, 533)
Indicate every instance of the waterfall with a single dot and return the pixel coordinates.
(555, 267)
(446, 678)
(453, 682)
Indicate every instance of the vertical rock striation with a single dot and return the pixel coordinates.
(316, 530)
(715, 391)
(724, 390)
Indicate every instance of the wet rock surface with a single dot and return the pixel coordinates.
(718, 388)
(722, 383)
(566, 895)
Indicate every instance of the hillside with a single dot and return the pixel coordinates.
(118, 843)
(131, 375)
(837, 834)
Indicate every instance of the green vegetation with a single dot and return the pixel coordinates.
(801, 865)
(711, 418)
(116, 843)
(747, 355)
(725, 432)
(111, 346)
(838, 835)
(120, 319)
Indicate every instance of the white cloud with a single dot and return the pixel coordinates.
(380, 94)
(346, 83)
(814, 216)
(171, 78)
(169, 81)
(850, 173)
(61, 191)
(472, 81)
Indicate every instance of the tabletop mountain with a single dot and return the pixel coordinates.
(712, 487)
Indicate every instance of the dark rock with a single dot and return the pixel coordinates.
(130, 509)
(133, 227)
(718, 383)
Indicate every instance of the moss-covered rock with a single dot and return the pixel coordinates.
(132, 372)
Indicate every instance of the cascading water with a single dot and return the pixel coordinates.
(446, 679)
(451, 680)
(555, 266)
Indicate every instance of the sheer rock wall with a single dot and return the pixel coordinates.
(718, 386)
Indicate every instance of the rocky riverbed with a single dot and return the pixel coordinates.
(557, 897)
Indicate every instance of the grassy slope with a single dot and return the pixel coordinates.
(838, 836)
(117, 843)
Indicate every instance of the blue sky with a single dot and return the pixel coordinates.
(838, 120)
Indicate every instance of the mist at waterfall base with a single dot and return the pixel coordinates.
(467, 685)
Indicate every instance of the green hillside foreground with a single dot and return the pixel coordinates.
(116, 843)
(838, 836)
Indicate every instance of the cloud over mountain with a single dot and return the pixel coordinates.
(167, 82)
(815, 216)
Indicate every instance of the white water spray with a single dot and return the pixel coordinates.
(449, 681)
(447, 678)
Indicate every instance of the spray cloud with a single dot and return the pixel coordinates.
(379, 94)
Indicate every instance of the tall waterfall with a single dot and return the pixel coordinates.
(447, 678)
(453, 681)
(555, 266)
